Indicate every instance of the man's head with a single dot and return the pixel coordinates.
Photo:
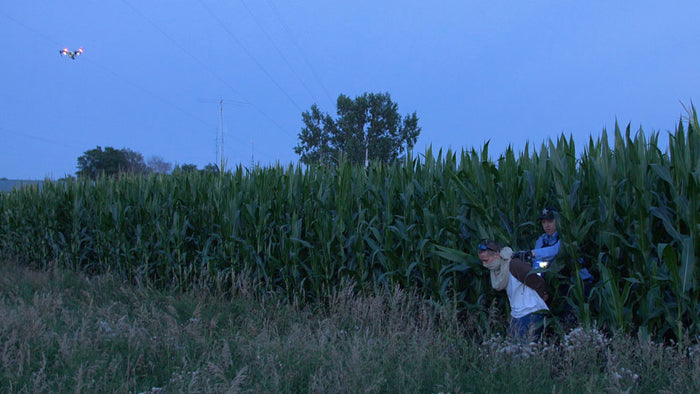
(548, 220)
(488, 251)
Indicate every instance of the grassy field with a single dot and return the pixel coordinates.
(64, 332)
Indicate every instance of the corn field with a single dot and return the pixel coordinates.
(629, 211)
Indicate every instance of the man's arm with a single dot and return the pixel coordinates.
(522, 271)
(546, 253)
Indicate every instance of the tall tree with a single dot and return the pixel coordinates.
(158, 165)
(109, 162)
(368, 127)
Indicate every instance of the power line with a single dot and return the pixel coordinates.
(206, 67)
(110, 71)
(154, 95)
(247, 51)
(137, 86)
(180, 47)
(221, 134)
(279, 52)
(42, 139)
(301, 51)
(37, 32)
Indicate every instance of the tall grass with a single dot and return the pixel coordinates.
(65, 332)
(628, 211)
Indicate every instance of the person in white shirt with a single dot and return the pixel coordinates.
(527, 292)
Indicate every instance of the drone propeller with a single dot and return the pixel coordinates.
(71, 54)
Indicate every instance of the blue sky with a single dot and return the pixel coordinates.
(153, 73)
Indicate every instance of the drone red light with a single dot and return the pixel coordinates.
(71, 54)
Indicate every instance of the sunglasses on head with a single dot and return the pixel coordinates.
(484, 247)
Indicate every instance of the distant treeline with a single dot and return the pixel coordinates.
(8, 184)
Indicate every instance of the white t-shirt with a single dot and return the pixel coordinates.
(523, 300)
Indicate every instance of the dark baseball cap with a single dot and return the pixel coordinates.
(547, 213)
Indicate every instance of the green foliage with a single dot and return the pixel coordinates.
(367, 128)
(186, 168)
(630, 213)
(64, 332)
(109, 162)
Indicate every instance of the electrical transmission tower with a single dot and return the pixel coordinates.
(220, 136)
(220, 158)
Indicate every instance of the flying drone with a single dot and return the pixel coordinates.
(71, 54)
